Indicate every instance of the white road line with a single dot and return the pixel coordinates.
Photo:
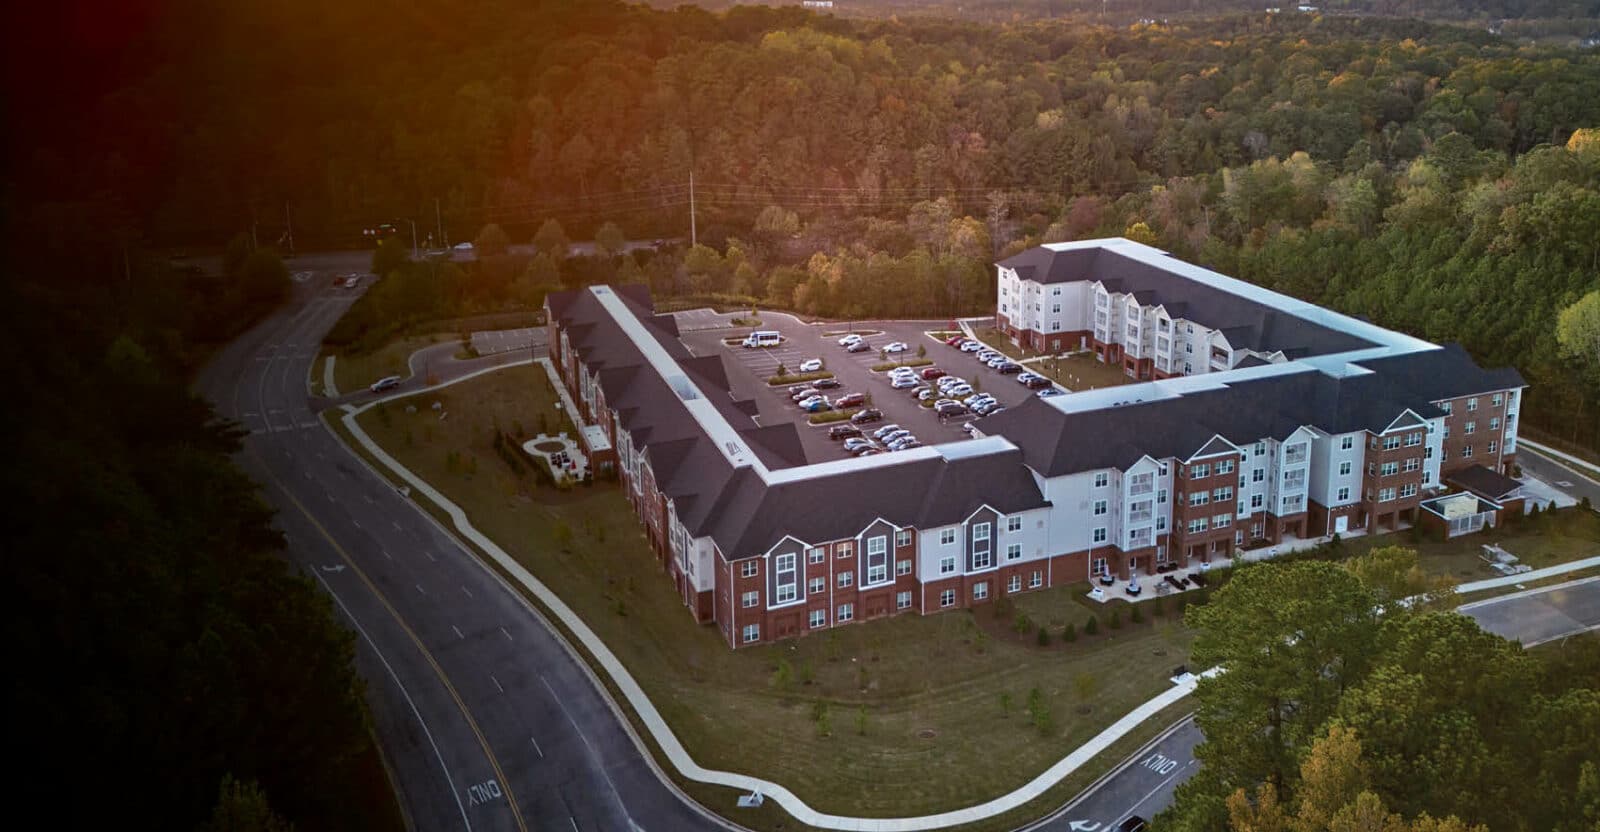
(574, 823)
(506, 634)
(355, 521)
(496, 683)
(467, 591)
(396, 525)
(1150, 794)
(386, 554)
(430, 556)
(458, 631)
(407, 695)
(420, 589)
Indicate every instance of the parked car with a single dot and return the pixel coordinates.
(867, 416)
(1037, 383)
(970, 345)
(955, 340)
(895, 346)
(931, 373)
(804, 393)
(903, 382)
(385, 383)
(995, 409)
(817, 405)
(902, 371)
(869, 451)
(1047, 393)
(989, 355)
(926, 393)
(856, 443)
(986, 408)
(859, 346)
(843, 431)
(975, 398)
(950, 381)
(885, 430)
(811, 365)
(796, 388)
(825, 383)
(969, 429)
(904, 444)
(952, 410)
(959, 391)
(894, 436)
(850, 400)
(1006, 368)
(994, 363)
(847, 340)
(1133, 823)
(811, 400)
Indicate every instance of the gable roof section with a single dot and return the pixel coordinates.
(1490, 485)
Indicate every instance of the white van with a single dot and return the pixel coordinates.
(762, 339)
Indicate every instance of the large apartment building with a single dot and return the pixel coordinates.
(1297, 423)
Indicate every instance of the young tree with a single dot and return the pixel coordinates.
(491, 241)
(608, 238)
(551, 239)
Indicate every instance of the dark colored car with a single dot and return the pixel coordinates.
(951, 411)
(825, 383)
(1037, 383)
(859, 346)
(1008, 368)
(866, 416)
(843, 431)
(1134, 823)
(850, 400)
(931, 373)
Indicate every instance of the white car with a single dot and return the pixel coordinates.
(463, 246)
(896, 346)
(951, 381)
(811, 400)
(895, 436)
(959, 391)
(885, 431)
(899, 372)
(971, 346)
(904, 443)
(850, 339)
(385, 383)
(903, 383)
(811, 365)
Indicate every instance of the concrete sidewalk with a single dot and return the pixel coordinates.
(678, 757)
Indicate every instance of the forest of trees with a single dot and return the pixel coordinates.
(1332, 715)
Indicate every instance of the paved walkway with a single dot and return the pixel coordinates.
(678, 757)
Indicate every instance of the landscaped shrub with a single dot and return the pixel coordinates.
(1069, 633)
(1044, 636)
(1093, 627)
(885, 366)
(827, 416)
(1137, 616)
(795, 378)
(1116, 619)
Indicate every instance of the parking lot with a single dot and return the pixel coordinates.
(750, 368)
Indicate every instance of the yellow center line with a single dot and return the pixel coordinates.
(505, 785)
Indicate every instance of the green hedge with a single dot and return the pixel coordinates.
(776, 381)
(827, 416)
(890, 365)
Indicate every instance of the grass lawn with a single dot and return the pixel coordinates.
(894, 717)
(353, 371)
(1081, 372)
(1002, 342)
(1551, 538)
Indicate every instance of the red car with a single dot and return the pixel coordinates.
(955, 340)
(850, 400)
(932, 373)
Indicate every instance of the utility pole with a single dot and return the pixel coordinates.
(289, 223)
(693, 237)
(414, 255)
(438, 220)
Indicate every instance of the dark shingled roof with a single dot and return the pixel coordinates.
(1490, 485)
(1244, 322)
(1056, 443)
(743, 514)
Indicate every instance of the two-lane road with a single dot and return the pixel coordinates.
(485, 720)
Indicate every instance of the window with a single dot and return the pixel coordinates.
(876, 546)
(1199, 498)
(877, 573)
(983, 559)
(1466, 452)
(1200, 471)
(1222, 521)
(1471, 428)
(846, 579)
(847, 612)
(1494, 424)
(750, 599)
(1258, 475)
(902, 600)
(1225, 466)
(1055, 307)
(1035, 579)
(1014, 551)
(1344, 468)
(1346, 443)
(947, 598)
(1344, 494)
(902, 567)
(902, 538)
(748, 569)
(1408, 490)
(818, 618)
(1102, 479)
(1100, 535)
(1261, 448)
(1197, 525)
(845, 550)
(1391, 442)
(1098, 567)
(947, 537)
(1099, 507)
(1161, 497)
(1389, 469)
(947, 565)
(752, 632)
(1222, 494)
(1445, 406)
(980, 532)
(1493, 447)
(1161, 524)
(1413, 464)
(1413, 440)
(1255, 501)
(980, 590)
(1472, 404)
(1014, 584)
(817, 584)
(1014, 524)
(1385, 495)
(814, 554)
(1497, 399)
(786, 578)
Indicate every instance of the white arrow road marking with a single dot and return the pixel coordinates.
(338, 567)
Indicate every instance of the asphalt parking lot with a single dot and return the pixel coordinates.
(854, 371)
